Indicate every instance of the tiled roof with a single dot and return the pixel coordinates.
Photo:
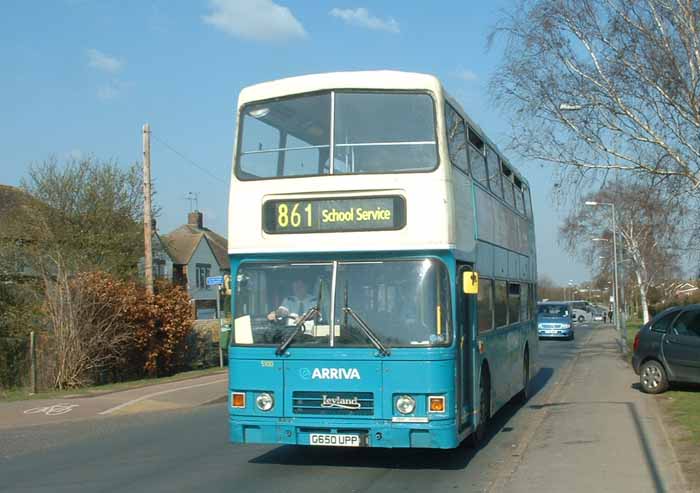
(182, 242)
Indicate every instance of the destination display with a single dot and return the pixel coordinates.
(329, 215)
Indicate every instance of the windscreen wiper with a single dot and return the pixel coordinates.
(383, 350)
(313, 311)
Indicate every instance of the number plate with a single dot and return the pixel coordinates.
(333, 440)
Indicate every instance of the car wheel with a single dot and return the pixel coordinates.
(477, 437)
(571, 337)
(652, 377)
(581, 318)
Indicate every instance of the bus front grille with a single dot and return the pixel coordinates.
(333, 403)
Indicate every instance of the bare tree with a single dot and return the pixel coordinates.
(649, 223)
(548, 289)
(599, 85)
(87, 333)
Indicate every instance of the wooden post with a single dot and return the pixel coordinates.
(32, 360)
(218, 316)
(147, 221)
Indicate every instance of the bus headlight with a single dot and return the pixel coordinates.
(264, 401)
(405, 404)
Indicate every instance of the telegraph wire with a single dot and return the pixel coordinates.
(188, 160)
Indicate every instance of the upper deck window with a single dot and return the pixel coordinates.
(374, 132)
(384, 133)
(477, 158)
(287, 137)
(494, 175)
(456, 138)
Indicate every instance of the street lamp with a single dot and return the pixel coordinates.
(622, 334)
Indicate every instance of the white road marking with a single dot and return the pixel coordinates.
(55, 410)
(154, 394)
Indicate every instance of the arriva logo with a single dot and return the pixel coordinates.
(335, 374)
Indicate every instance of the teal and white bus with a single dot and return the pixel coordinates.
(383, 266)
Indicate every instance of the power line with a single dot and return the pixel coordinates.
(188, 160)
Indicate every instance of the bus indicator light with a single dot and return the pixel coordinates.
(238, 400)
(436, 404)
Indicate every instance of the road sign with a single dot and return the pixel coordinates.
(215, 281)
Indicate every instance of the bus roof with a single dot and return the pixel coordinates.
(371, 79)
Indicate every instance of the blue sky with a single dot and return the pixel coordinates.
(81, 77)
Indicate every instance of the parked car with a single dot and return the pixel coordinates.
(554, 320)
(580, 316)
(598, 316)
(667, 349)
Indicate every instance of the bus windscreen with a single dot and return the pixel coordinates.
(405, 303)
(374, 132)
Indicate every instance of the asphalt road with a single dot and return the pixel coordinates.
(188, 451)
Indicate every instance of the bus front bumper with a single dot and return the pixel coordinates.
(372, 433)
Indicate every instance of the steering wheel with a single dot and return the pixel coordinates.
(282, 320)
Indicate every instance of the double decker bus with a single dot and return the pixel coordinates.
(383, 266)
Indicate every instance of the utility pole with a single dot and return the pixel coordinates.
(147, 221)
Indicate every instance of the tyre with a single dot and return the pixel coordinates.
(581, 318)
(479, 434)
(652, 377)
(572, 336)
(524, 394)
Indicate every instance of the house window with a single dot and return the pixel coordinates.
(203, 271)
(158, 268)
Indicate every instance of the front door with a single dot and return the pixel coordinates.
(464, 325)
(682, 346)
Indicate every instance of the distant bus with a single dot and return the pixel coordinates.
(383, 266)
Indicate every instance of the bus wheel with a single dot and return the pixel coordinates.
(479, 434)
(524, 394)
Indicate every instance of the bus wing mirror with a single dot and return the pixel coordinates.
(470, 282)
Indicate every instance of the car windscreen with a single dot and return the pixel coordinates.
(374, 132)
(553, 311)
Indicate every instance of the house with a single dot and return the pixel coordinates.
(197, 253)
(162, 261)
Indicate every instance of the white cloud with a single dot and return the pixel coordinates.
(467, 75)
(257, 20)
(362, 18)
(104, 62)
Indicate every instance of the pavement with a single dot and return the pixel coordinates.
(597, 432)
(159, 397)
(586, 428)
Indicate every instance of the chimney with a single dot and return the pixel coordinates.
(196, 219)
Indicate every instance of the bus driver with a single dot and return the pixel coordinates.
(295, 305)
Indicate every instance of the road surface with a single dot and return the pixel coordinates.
(187, 450)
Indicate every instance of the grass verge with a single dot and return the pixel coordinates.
(7, 395)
